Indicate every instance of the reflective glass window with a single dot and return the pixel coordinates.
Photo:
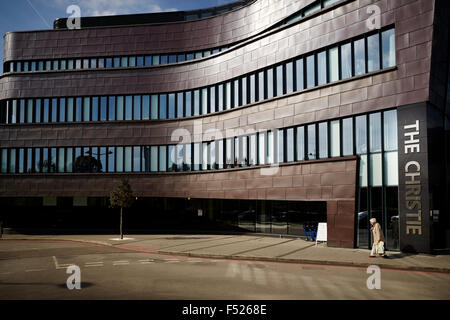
(145, 107)
(163, 158)
(21, 160)
(128, 108)
(119, 159)
(154, 106)
(391, 168)
(46, 110)
(280, 146)
(280, 81)
(54, 110)
(69, 159)
(388, 45)
(322, 68)
(132, 61)
(375, 170)
(360, 57)
(87, 109)
(346, 60)
(163, 59)
(347, 136)
(252, 88)
(310, 72)
(252, 150)
(22, 111)
(12, 161)
(363, 177)
(4, 167)
(290, 144)
(262, 147)
(93, 63)
(212, 98)
(101, 63)
(323, 140)
(103, 108)
(181, 58)
(154, 159)
(188, 97)
(155, 60)
(29, 110)
(299, 74)
(375, 132)
(204, 101)
(335, 138)
(171, 111)
(373, 52)
(37, 109)
(111, 159)
(112, 108)
(289, 77)
(300, 143)
(140, 61)
(261, 85)
(205, 161)
(333, 64)
(196, 102)
(124, 62)
(162, 106)
(94, 109)
(311, 141)
(61, 160)
(128, 158)
(180, 104)
(270, 83)
(70, 109)
(62, 109)
(244, 90)
(137, 108)
(148, 61)
(120, 107)
(236, 99)
(220, 97)
(361, 134)
(197, 156)
(390, 130)
(116, 62)
(109, 62)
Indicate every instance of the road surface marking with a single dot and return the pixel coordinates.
(120, 263)
(62, 265)
(34, 270)
(94, 264)
(6, 273)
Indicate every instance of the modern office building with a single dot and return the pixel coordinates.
(261, 115)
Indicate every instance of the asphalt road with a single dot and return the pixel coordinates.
(36, 269)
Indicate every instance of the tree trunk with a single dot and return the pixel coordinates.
(121, 230)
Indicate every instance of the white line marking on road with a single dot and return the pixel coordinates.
(5, 273)
(120, 263)
(147, 261)
(34, 270)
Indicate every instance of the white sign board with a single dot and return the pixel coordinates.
(321, 232)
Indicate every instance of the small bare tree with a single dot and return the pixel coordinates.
(121, 197)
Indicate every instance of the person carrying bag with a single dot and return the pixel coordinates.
(378, 239)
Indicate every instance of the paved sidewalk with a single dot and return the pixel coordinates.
(255, 247)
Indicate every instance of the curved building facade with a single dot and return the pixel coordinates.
(259, 115)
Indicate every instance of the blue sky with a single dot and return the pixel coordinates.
(19, 15)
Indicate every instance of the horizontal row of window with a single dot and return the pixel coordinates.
(353, 58)
(310, 9)
(106, 62)
(374, 133)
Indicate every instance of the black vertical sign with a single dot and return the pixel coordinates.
(413, 178)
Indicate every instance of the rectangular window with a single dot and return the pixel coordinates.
(22, 111)
(280, 146)
(219, 154)
(322, 68)
(119, 159)
(69, 159)
(111, 159)
(4, 155)
(128, 159)
(171, 106)
(94, 108)
(252, 150)
(335, 138)
(346, 60)
(162, 158)
(220, 97)
(145, 107)
(204, 101)
(103, 108)
(101, 63)
(290, 145)
(163, 59)
(289, 77)
(311, 142)
(197, 156)
(361, 134)
(391, 168)
(12, 161)
(140, 61)
(212, 155)
(270, 83)
(347, 136)
(236, 95)
(124, 62)
(375, 170)
(137, 108)
(390, 130)
(116, 62)
(227, 95)
(120, 108)
(54, 110)
(112, 108)
(252, 88)
(280, 81)
(333, 64)
(62, 109)
(38, 110)
(87, 109)
(237, 152)
(244, 90)
(172, 58)
(85, 63)
(388, 45)
(373, 52)
(148, 61)
(94, 63)
(181, 58)
(375, 132)
(360, 57)
(101, 157)
(363, 171)
(155, 60)
(46, 110)
(128, 108)
(196, 102)
(180, 106)
(109, 62)
(261, 86)
(179, 157)
(310, 72)
(132, 61)
(154, 159)
(205, 161)
(154, 106)
(323, 140)
(243, 144)
(61, 160)
(29, 110)
(188, 96)
(162, 106)
(229, 152)
(212, 98)
(300, 143)
(52, 166)
(299, 74)
(21, 159)
(188, 157)
(270, 147)
(262, 148)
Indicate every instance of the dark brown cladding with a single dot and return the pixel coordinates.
(333, 181)
(174, 37)
(413, 22)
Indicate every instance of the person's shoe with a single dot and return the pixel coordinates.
(372, 256)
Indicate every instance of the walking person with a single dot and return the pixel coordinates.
(378, 239)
